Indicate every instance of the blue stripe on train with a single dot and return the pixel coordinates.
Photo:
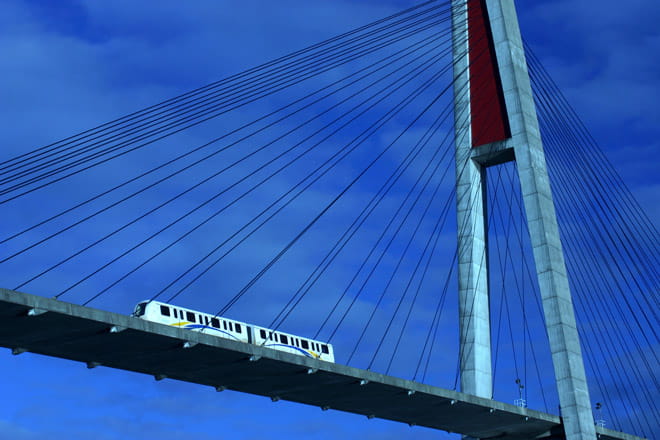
(200, 326)
(291, 346)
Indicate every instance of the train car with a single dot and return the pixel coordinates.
(168, 314)
(293, 344)
(193, 320)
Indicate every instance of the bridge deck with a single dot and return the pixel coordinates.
(84, 334)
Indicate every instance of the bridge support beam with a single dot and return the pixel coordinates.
(519, 140)
(474, 316)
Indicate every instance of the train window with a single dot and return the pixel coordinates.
(284, 339)
(231, 327)
(207, 320)
(304, 344)
(224, 324)
(139, 309)
(238, 328)
(201, 320)
(262, 333)
(215, 322)
(324, 349)
(190, 316)
(176, 315)
(164, 310)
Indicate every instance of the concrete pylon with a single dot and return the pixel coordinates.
(475, 349)
(496, 122)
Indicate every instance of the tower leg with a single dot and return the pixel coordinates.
(474, 319)
(563, 336)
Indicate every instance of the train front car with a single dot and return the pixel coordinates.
(293, 344)
(192, 320)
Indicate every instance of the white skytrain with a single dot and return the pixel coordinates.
(229, 329)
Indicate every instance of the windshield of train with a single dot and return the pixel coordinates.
(139, 309)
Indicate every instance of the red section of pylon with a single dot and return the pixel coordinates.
(490, 122)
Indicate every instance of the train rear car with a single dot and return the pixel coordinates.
(293, 344)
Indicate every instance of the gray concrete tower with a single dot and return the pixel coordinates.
(475, 349)
(496, 122)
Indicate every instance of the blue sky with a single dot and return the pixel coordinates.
(70, 65)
